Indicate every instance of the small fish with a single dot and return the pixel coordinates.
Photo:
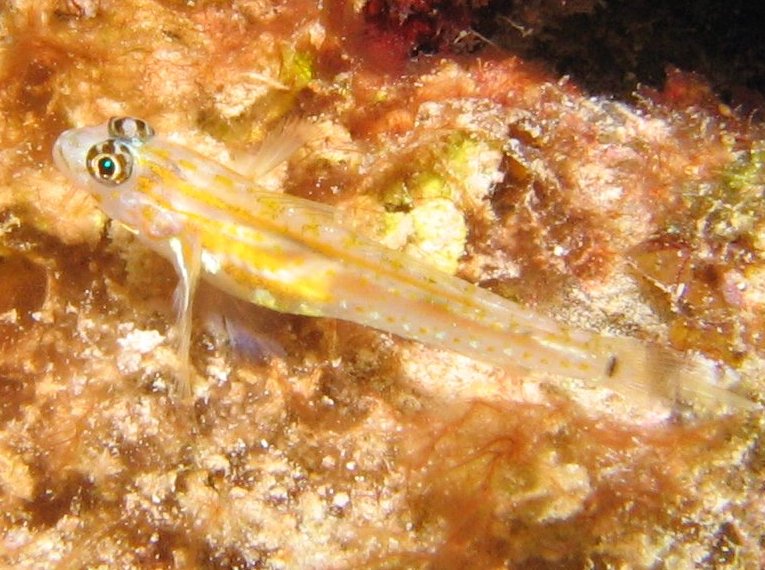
(296, 256)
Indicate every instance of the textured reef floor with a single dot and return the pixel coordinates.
(312, 443)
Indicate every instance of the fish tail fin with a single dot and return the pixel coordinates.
(643, 371)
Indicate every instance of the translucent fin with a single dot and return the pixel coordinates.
(277, 147)
(244, 327)
(186, 258)
(642, 370)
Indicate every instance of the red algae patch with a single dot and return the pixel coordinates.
(528, 484)
(313, 443)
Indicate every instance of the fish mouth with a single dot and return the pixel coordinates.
(59, 156)
(68, 152)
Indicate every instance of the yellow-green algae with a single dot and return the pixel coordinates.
(730, 206)
(425, 207)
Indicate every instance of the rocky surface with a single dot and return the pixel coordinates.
(320, 444)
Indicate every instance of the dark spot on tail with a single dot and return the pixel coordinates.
(612, 366)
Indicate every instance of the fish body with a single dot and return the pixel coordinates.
(297, 256)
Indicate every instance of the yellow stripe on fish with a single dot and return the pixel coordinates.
(294, 255)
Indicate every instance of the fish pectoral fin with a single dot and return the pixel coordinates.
(187, 255)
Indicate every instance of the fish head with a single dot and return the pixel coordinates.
(105, 160)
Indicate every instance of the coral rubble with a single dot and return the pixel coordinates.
(319, 444)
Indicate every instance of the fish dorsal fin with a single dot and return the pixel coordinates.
(278, 146)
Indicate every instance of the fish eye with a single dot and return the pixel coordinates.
(130, 128)
(110, 162)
